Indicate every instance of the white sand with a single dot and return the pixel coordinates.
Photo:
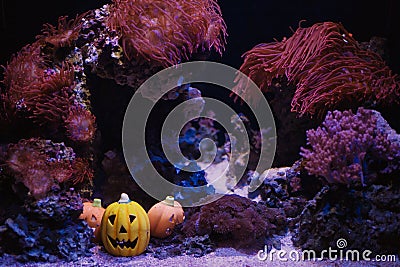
(223, 257)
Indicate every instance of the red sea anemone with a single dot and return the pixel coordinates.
(36, 90)
(82, 171)
(167, 32)
(327, 66)
(65, 34)
(80, 124)
(42, 92)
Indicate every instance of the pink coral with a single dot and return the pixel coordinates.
(167, 32)
(347, 145)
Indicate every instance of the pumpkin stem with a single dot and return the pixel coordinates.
(169, 200)
(124, 198)
(97, 202)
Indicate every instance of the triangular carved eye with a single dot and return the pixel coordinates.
(94, 218)
(123, 230)
(111, 218)
(132, 218)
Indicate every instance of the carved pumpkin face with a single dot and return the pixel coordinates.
(125, 228)
(92, 214)
(164, 216)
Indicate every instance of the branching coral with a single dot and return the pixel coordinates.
(328, 67)
(350, 147)
(39, 164)
(167, 32)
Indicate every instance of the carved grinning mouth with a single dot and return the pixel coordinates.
(122, 244)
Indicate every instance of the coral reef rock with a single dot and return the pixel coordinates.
(366, 218)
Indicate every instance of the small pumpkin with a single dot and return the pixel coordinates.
(92, 214)
(125, 228)
(164, 216)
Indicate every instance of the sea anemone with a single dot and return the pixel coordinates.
(35, 89)
(80, 124)
(326, 64)
(82, 171)
(43, 93)
(65, 34)
(167, 32)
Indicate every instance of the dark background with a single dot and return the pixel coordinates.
(249, 22)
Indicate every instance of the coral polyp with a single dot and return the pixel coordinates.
(167, 31)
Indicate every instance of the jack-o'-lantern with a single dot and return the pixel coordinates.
(164, 216)
(92, 214)
(125, 228)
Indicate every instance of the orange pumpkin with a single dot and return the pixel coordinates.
(164, 216)
(92, 214)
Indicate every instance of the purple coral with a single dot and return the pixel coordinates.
(351, 147)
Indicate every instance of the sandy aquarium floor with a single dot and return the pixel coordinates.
(222, 257)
